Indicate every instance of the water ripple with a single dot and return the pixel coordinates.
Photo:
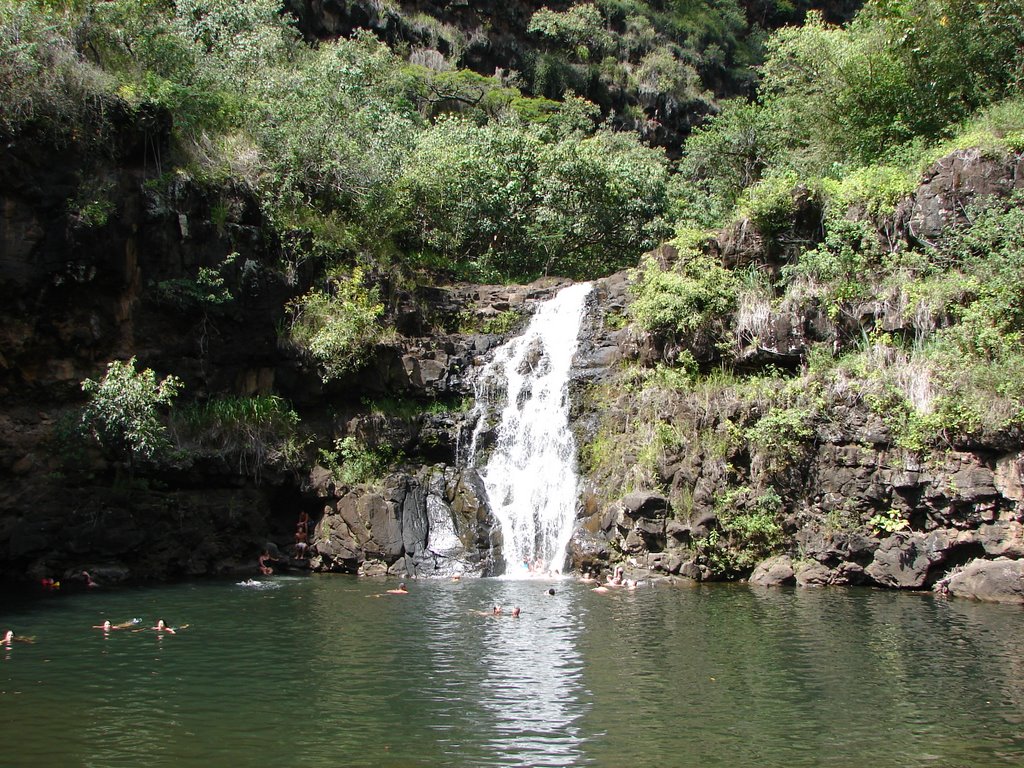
(322, 672)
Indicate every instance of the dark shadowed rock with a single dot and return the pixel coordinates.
(588, 550)
(692, 570)
(903, 560)
(645, 504)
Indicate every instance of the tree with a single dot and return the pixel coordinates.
(603, 199)
(122, 412)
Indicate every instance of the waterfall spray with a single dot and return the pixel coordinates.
(530, 474)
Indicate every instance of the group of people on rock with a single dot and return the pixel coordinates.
(614, 580)
(301, 546)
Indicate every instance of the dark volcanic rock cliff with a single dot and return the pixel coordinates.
(853, 506)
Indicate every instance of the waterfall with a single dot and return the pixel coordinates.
(530, 474)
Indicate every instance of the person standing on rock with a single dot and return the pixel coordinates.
(301, 543)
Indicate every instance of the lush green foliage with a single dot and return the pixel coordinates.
(351, 150)
(207, 291)
(352, 463)
(889, 521)
(903, 69)
(748, 531)
(668, 54)
(44, 84)
(781, 436)
(505, 201)
(122, 413)
(338, 327)
(259, 431)
(694, 293)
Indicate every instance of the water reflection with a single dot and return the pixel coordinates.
(532, 679)
(320, 673)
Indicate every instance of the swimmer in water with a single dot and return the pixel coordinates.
(9, 639)
(515, 612)
(494, 613)
(161, 626)
(106, 626)
(89, 582)
(400, 590)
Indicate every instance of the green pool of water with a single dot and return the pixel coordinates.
(320, 672)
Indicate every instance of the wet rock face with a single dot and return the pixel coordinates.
(433, 523)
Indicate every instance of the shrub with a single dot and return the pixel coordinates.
(351, 462)
(338, 328)
(781, 436)
(695, 293)
(261, 431)
(122, 411)
(43, 80)
(748, 531)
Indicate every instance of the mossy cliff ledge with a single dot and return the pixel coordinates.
(815, 433)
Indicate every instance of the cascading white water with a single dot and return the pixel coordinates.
(530, 475)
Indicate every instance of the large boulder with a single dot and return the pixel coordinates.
(1000, 580)
(774, 572)
(434, 523)
(904, 560)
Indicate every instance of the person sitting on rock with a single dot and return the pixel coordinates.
(89, 580)
(616, 580)
(264, 561)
